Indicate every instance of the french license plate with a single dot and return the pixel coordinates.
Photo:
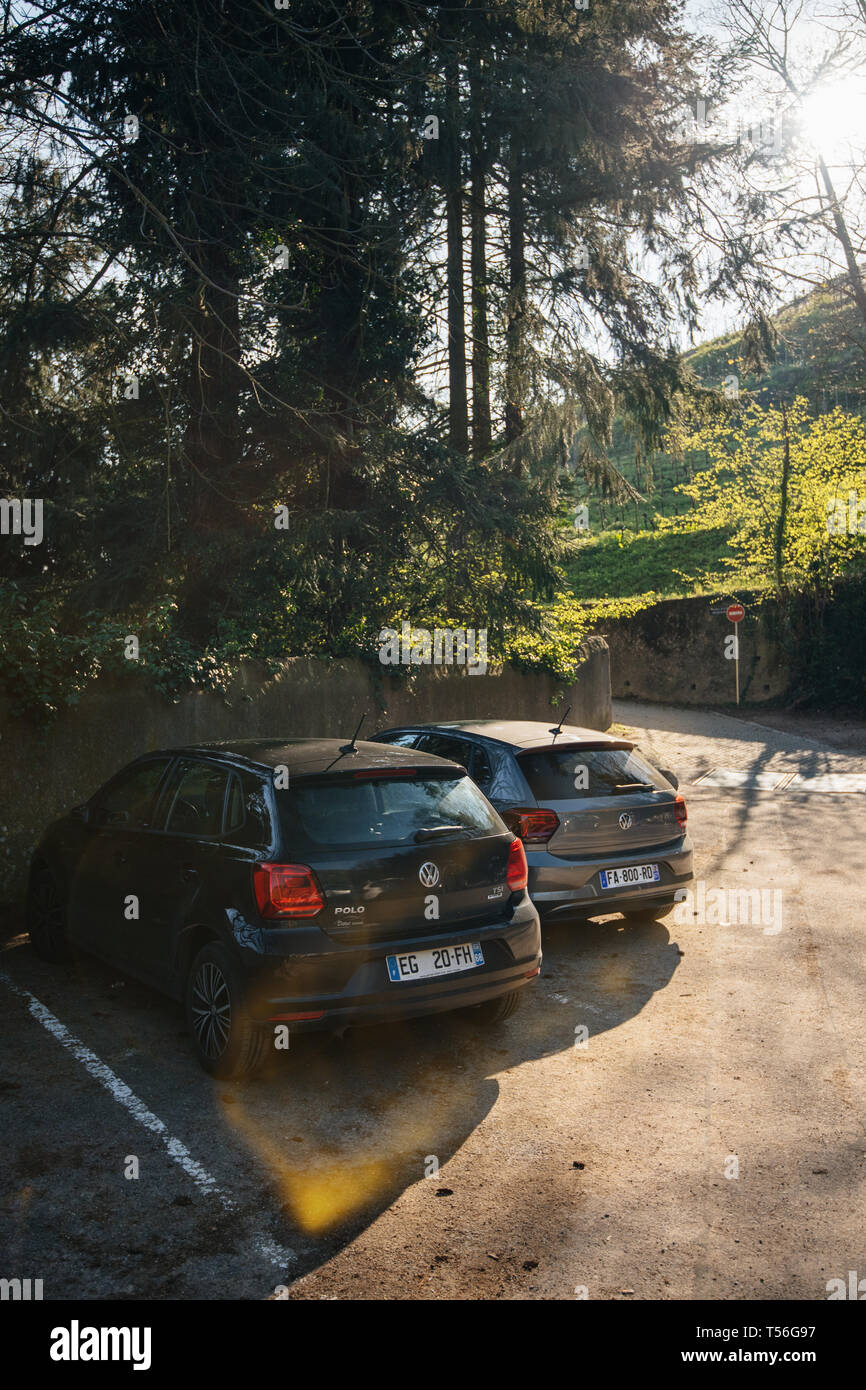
(444, 960)
(632, 877)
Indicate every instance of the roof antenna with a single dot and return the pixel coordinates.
(350, 747)
(558, 728)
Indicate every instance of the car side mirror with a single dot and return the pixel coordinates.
(671, 776)
(81, 813)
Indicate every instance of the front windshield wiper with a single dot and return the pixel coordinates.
(429, 832)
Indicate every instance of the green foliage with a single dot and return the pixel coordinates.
(309, 380)
(665, 562)
(47, 667)
(818, 355)
(562, 625)
(776, 479)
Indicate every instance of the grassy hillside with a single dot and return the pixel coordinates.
(820, 355)
(665, 563)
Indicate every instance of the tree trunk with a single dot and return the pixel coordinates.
(481, 419)
(516, 321)
(210, 456)
(458, 404)
(212, 440)
(855, 279)
(782, 518)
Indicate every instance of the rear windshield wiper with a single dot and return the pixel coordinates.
(622, 788)
(430, 831)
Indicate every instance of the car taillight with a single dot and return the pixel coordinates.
(286, 890)
(534, 826)
(517, 873)
(680, 811)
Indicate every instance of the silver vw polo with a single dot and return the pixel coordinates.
(604, 831)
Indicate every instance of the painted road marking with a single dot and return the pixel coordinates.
(120, 1092)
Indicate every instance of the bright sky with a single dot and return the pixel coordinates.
(830, 121)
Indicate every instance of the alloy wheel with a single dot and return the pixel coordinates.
(211, 1010)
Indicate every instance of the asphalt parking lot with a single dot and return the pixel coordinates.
(677, 1111)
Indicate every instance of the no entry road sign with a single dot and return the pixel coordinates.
(735, 612)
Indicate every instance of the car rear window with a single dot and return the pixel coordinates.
(383, 811)
(562, 774)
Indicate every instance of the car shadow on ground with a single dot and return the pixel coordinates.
(333, 1131)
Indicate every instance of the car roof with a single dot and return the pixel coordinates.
(519, 733)
(309, 757)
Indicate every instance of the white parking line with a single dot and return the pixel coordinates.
(120, 1092)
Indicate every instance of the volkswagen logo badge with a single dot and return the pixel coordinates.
(625, 821)
(428, 874)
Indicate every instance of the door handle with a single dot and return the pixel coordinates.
(189, 873)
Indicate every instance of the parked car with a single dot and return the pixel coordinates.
(377, 884)
(603, 830)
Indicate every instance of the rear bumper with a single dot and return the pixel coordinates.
(558, 885)
(366, 994)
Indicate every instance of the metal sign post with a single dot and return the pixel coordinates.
(735, 613)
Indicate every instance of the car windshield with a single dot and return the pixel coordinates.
(563, 774)
(384, 811)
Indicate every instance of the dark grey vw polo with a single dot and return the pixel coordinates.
(603, 830)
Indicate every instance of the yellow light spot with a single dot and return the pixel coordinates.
(325, 1197)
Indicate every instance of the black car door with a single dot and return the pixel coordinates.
(107, 887)
(186, 859)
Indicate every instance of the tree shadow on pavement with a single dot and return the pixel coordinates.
(342, 1128)
(333, 1131)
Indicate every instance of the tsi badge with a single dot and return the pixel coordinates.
(429, 874)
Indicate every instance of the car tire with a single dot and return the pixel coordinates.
(651, 912)
(228, 1043)
(498, 1010)
(45, 916)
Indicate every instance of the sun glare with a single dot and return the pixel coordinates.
(833, 119)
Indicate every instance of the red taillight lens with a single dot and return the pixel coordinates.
(517, 873)
(680, 811)
(534, 826)
(286, 890)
